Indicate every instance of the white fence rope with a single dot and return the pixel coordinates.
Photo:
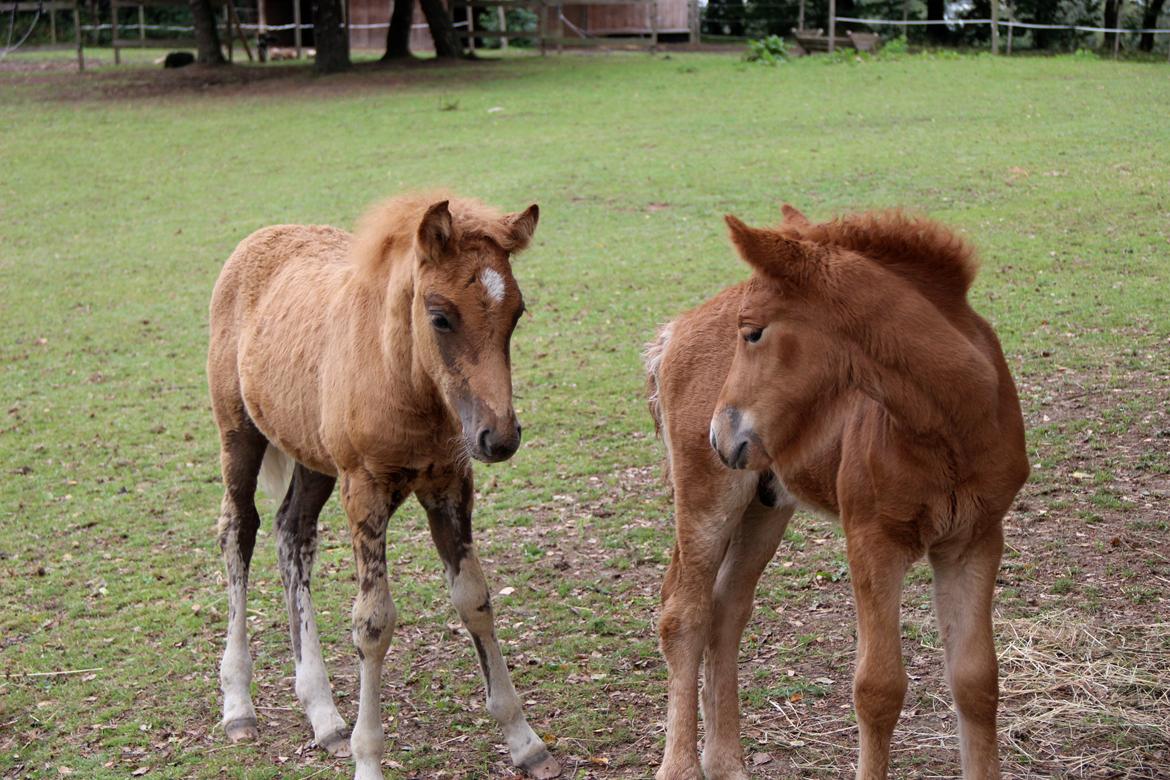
(1001, 23)
(248, 26)
(8, 47)
(574, 27)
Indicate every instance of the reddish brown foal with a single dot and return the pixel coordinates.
(851, 376)
(383, 360)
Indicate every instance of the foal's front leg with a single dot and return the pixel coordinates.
(751, 548)
(685, 625)
(877, 568)
(448, 499)
(369, 501)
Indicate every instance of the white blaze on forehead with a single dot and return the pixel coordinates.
(492, 282)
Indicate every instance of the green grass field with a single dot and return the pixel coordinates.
(122, 193)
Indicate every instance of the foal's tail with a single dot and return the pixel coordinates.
(276, 472)
(652, 356)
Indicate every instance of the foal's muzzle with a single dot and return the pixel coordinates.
(489, 437)
(733, 439)
(496, 443)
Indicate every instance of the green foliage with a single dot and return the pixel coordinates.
(768, 51)
(518, 20)
(895, 47)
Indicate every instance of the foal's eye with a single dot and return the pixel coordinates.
(440, 323)
(753, 335)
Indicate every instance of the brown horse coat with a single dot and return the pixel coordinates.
(381, 360)
(849, 375)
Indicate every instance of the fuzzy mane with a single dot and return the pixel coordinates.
(922, 251)
(387, 230)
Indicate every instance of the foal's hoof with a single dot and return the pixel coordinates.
(336, 744)
(689, 771)
(541, 766)
(242, 730)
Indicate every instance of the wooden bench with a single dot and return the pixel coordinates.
(863, 41)
(809, 41)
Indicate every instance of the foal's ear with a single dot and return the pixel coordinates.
(773, 254)
(794, 216)
(434, 231)
(521, 226)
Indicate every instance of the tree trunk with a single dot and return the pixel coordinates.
(442, 30)
(1111, 8)
(936, 11)
(398, 36)
(206, 34)
(331, 37)
(1046, 12)
(1150, 21)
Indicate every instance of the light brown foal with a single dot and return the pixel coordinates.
(850, 376)
(381, 360)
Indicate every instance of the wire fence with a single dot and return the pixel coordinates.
(746, 16)
(1001, 23)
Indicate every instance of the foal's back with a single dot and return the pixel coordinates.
(269, 313)
(288, 259)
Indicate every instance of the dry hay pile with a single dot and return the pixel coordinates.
(1077, 699)
(1086, 700)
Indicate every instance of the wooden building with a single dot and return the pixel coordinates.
(368, 20)
(614, 19)
(597, 20)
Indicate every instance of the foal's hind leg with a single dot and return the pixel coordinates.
(296, 529)
(448, 500)
(964, 582)
(750, 550)
(242, 450)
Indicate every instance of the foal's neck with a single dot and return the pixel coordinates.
(930, 372)
(388, 297)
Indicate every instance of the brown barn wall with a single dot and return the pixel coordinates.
(617, 19)
(378, 12)
(595, 20)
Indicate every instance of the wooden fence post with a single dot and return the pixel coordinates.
(995, 26)
(77, 36)
(297, 28)
(653, 26)
(832, 24)
(114, 32)
(560, 29)
(543, 22)
(227, 32)
(96, 14)
(1117, 35)
(471, 29)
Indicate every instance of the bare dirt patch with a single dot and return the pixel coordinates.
(59, 79)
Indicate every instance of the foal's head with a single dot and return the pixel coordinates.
(787, 367)
(466, 305)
